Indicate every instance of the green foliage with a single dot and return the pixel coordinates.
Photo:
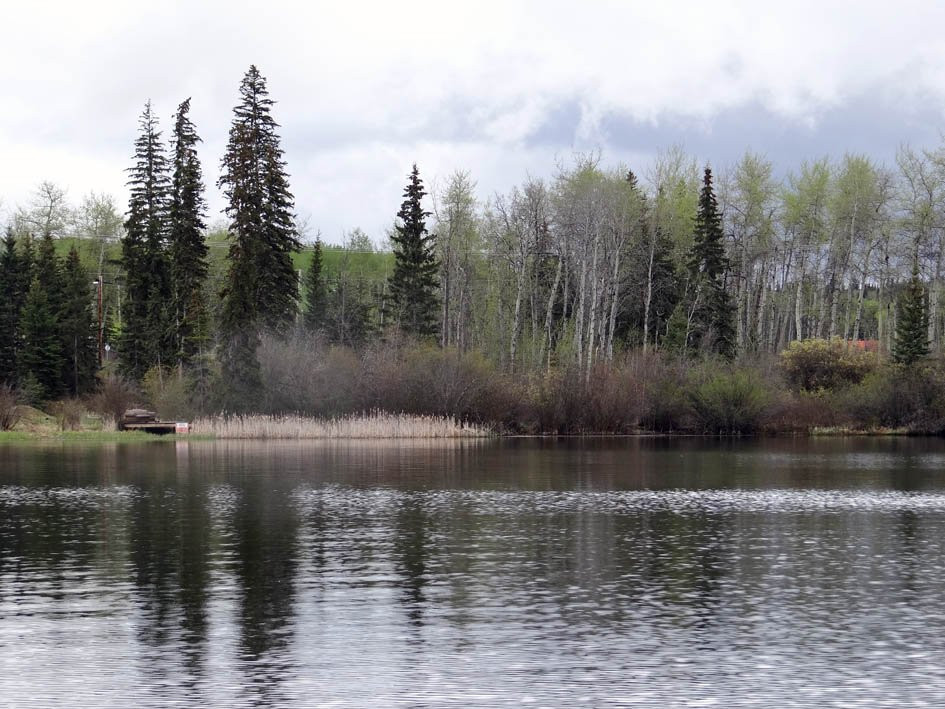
(261, 291)
(79, 338)
(730, 402)
(653, 267)
(348, 317)
(41, 356)
(316, 291)
(168, 393)
(262, 288)
(900, 396)
(147, 329)
(711, 326)
(676, 339)
(817, 365)
(187, 249)
(413, 283)
(11, 301)
(912, 323)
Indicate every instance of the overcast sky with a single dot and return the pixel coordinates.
(501, 89)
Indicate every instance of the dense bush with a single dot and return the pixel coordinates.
(897, 396)
(818, 365)
(801, 412)
(730, 402)
(168, 392)
(636, 391)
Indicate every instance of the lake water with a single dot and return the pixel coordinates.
(624, 572)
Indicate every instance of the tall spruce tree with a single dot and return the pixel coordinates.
(40, 359)
(147, 332)
(316, 290)
(413, 283)
(261, 291)
(711, 318)
(912, 322)
(11, 294)
(78, 328)
(48, 275)
(187, 248)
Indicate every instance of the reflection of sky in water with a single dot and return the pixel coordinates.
(549, 575)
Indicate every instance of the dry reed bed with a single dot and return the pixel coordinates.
(374, 425)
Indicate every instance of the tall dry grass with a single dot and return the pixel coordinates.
(367, 426)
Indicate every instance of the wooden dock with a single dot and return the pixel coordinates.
(147, 421)
(155, 427)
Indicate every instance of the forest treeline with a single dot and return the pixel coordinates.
(589, 279)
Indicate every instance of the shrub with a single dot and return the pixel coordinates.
(168, 391)
(817, 365)
(30, 391)
(556, 401)
(666, 402)
(69, 413)
(730, 402)
(115, 395)
(9, 412)
(897, 396)
(801, 412)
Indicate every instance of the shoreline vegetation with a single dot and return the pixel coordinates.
(376, 425)
(597, 302)
(315, 390)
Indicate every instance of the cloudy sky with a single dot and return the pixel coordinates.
(502, 89)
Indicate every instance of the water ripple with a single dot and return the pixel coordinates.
(491, 502)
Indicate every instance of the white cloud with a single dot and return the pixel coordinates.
(364, 89)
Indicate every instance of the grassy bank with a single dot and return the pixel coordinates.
(91, 436)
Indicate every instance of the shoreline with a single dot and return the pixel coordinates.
(142, 437)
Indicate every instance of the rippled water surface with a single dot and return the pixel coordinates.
(631, 572)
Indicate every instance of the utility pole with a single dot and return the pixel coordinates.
(101, 335)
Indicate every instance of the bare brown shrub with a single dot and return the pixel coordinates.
(9, 412)
(803, 412)
(115, 395)
(68, 413)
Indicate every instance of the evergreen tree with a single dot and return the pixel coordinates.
(10, 305)
(912, 322)
(413, 283)
(40, 359)
(27, 267)
(316, 291)
(48, 274)
(261, 290)
(147, 333)
(47, 269)
(712, 312)
(240, 376)
(79, 341)
(260, 207)
(187, 249)
(348, 319)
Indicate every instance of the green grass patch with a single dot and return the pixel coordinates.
(96, 437)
